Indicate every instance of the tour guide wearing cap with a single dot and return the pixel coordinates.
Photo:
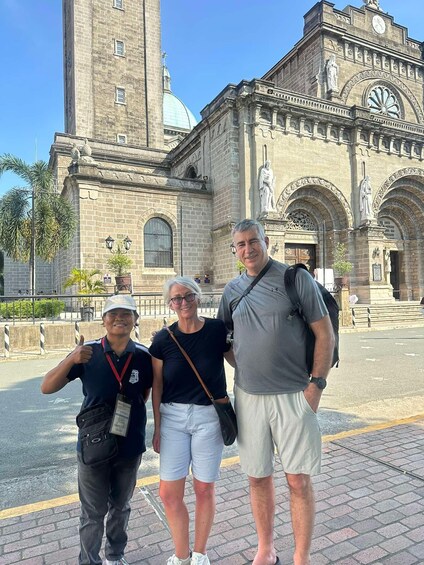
(117, 372)
(124, 301)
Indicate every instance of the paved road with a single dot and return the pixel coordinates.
(380, 378)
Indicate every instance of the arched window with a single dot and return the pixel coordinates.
(191, 172)
(157, 243)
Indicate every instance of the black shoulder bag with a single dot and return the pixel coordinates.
(98, 445)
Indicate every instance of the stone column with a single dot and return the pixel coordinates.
(370, 283)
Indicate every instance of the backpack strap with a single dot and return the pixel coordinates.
(289, 283)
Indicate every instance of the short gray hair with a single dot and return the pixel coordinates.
(183, 281)
(246, 225)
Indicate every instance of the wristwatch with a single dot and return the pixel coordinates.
(320, 382)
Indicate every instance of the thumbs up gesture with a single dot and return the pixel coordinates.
(82, 353)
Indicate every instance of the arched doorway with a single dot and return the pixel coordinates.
(318, 216)
(401, 213)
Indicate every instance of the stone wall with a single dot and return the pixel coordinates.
(61, 336)
(17, 277)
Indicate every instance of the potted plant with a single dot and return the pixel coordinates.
(341, 266)
(87, 283)
(119, 263)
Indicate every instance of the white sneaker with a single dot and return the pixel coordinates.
(199, 559)
(121, 561)
(174, 560)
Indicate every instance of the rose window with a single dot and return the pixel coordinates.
(382, 101)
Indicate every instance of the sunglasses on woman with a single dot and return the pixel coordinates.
(178, 300)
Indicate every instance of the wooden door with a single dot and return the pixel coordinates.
(301, 253)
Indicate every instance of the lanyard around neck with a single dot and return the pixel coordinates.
(119, 376)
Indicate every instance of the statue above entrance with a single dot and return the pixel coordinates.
(365, 200)
(372, 4)
(266, 188)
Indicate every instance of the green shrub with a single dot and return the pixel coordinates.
(43, 308)
(48, 307)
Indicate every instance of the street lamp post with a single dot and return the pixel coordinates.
(32, 251)
(119, 263)
(109, 241)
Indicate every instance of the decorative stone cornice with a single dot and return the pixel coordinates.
(142, 180)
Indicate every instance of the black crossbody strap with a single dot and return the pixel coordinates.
(254, 282)
(190, 362)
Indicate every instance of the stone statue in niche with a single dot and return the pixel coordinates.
(387, 265)
(332, 71)
(266, 188)
(365, 200)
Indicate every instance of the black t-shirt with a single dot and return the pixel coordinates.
(205, 348)
(100, 385)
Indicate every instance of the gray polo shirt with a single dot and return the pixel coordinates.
(269, 348)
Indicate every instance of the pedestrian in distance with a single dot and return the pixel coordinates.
(116, 376)
(187, 430)
(276, 399)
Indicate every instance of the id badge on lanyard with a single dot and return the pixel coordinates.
(122, 412)
(121, 416)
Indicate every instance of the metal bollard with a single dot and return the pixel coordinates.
(77, 333)
(369, 316)
(6, 341)
(137, 331)
(353, 318)
(42, 339)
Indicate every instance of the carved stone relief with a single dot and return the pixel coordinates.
(313, 181)
(385, 187)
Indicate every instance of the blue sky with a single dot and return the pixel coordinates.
(209, 43)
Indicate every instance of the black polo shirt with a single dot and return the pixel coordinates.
(100, 385)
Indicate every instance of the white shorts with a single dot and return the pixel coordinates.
(284, 422)
(190, 434)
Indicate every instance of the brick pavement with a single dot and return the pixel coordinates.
(370, 510)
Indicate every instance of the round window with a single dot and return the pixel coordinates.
(382, 101)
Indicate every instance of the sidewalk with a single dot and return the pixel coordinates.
(370, 509)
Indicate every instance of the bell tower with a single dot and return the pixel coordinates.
(113, 71)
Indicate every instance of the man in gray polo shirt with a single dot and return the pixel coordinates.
(276, 401)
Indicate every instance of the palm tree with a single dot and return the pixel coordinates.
(35, 219)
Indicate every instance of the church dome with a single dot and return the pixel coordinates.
(176, 116)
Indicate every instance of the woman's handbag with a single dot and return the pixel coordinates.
(98, 445)
(227, 419)
(223, 406)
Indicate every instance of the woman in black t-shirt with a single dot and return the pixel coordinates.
(187, 431)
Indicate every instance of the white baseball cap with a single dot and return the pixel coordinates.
(124, 301)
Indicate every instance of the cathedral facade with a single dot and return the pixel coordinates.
(326, 148)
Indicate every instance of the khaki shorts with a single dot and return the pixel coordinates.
(277, 422)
